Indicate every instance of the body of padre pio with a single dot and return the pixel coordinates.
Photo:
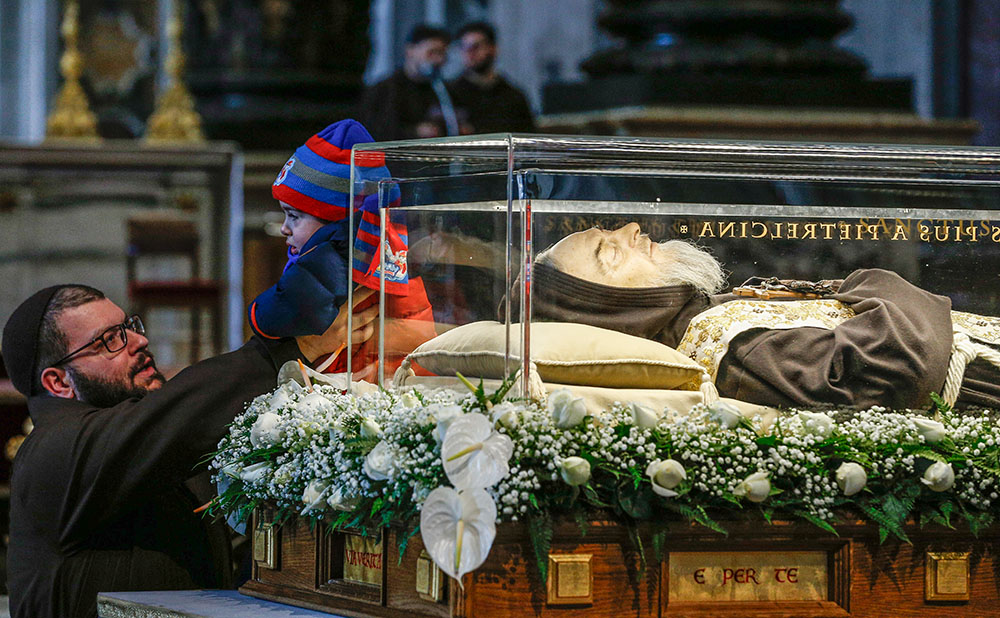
(873, 339)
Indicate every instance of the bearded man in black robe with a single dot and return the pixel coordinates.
(98, 494)
(874, 339)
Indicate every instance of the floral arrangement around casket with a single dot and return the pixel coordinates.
(365, 461)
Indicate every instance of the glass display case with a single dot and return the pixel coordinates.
(468, 221)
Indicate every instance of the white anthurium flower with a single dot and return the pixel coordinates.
(473, 454)
(725, 414)
(575, 470)
(851, 478)
(755, 487)
(409, 400)
(939, 476)
(255, 473)
(458, 528)
(341, 502)
(645, 417)
(370, 429)
(378, 462)
(817, 424)
(567, 409)
(264, 431)
(665, 475)
(931, 430)
(505, 414)
(444, 415)
(312, 497)
(232, 470)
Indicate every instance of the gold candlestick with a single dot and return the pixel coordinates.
(71, 117)
(175, 119)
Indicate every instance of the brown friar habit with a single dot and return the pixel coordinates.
(893, 353)
(98, 501)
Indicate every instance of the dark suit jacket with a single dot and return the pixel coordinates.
(98, 499)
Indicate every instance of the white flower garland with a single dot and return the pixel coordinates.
(373, 458)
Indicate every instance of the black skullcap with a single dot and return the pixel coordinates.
(20, 338)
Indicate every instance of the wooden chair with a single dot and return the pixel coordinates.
(152, 238)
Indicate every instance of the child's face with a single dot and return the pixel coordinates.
(298, 227)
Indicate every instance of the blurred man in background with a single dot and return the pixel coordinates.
(413, 102)
(492, 104)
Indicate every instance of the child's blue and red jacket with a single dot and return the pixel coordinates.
(308, 296)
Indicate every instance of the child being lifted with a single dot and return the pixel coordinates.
(313, 191)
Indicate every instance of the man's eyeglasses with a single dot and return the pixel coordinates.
(114, 338)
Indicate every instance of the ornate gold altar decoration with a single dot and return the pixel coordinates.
(175, 119)
(72, 117)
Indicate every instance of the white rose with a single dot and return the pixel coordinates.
(665, 475)
(265, 430)
(255, 473)
(932, 431)
(816, 423)
(567, 410)
(725, 414)
(341, 502)
(409, 400)
(312, 497)
(313, 401)
(283, 474)
(644, 417)
(575, 470)
(939, 476)
(755, 487)
(378, 462)
(370, 429)
(279, 398)
(444, 415)
(505, 414)
(851, 478)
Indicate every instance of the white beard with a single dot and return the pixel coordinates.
(682, 263)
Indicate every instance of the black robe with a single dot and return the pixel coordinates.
(894, 353)
(496, 108)
(98, 495)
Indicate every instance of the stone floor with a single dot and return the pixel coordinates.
(4, 610)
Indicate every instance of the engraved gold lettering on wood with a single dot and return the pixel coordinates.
(748, 576)
(947, 576)
(571, 580)
(363, 559)
(863, 229)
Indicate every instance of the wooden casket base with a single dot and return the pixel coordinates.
(781, 570)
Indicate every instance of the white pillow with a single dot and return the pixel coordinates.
(562, 352)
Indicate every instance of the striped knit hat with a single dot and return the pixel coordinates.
(317, 180)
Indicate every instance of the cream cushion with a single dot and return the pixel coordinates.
(562, 352)
(598, 398)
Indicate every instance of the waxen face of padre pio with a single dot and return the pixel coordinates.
(628, 258)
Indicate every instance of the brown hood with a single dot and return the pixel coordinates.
(661, 314)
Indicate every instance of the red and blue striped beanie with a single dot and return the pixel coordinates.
(316, 179)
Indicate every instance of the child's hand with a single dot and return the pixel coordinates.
(362, 325)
